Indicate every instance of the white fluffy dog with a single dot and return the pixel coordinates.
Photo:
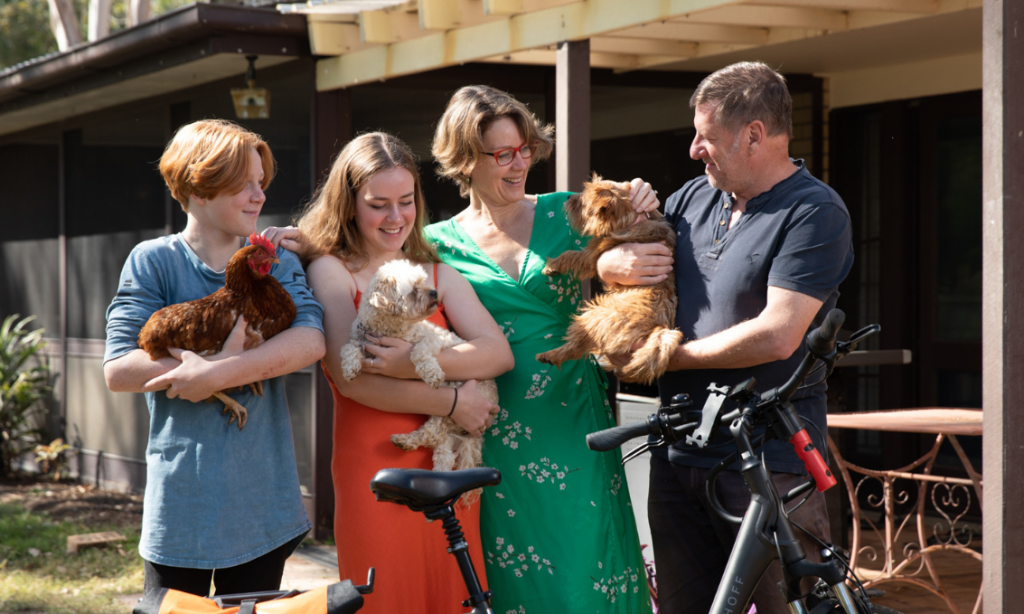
(396, 304)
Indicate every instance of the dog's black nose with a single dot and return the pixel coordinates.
(433, 294)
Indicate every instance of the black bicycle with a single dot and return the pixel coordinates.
(434, 493)
(766, 532)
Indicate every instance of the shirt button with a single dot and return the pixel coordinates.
(726, 204)
(721, 222)
(716, 241)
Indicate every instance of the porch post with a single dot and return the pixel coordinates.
(572, 115)
(1003, 304)
(331, 129)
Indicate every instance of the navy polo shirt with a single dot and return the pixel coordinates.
(795, 236)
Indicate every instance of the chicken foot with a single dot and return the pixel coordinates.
(234, 408)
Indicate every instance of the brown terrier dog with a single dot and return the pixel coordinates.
(613, 321)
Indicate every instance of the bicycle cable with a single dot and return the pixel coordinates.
(861, 589)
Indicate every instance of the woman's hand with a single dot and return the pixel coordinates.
(288, 237)
(389, 356)
(635, 264)
(642, 196)
(472, 411)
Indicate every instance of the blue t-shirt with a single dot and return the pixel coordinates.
(795, 236)
(216, 497)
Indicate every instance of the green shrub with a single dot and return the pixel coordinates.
(24, 382)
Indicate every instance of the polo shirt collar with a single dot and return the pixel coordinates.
(761, 199)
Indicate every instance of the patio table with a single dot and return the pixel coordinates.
(908, 543)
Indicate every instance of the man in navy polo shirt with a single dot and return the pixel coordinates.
(761, 249)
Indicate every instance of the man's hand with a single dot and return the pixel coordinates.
(473, 412)
(635, 264)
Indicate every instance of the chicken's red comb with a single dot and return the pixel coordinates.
(256, 239)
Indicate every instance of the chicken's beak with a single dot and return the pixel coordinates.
(274, 260)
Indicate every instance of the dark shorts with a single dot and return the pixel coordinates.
(692, 544)
(263, 573)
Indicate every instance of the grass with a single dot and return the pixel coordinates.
(36, 574)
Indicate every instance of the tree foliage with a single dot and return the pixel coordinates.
(25, 25)
(24, 31)
(24, 382)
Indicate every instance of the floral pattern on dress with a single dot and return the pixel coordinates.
(546, 471)
(619, 584)
(540, 380)
(509, 432)
(506, 557)
(566, 286)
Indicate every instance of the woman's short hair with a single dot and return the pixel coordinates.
(458, 139)
(211, 156)
(328, 223)
(745, 92)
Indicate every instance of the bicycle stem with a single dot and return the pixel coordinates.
(457, 546)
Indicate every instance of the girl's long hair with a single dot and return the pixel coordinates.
(328, 223)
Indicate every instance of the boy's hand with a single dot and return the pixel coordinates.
(288, 237)
(195, 379)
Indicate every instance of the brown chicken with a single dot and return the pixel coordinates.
(203, 325)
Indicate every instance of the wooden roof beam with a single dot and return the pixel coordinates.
(548, 57)
(449, 14)
(334, 37)
(899, 6)
(390, 25)
(575, 21)
(643, 46)
(768, 17)
(697, 33)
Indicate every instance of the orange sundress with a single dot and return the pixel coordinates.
(414, 570)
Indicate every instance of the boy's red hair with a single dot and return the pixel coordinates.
(211, 156)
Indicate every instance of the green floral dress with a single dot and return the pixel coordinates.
(559, 533)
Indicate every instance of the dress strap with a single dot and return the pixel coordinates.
(440, 305)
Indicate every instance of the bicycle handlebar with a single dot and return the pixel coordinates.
(608, 439)
(821, 344)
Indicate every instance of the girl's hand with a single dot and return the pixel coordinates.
(389, 356)
(642, 196)
(472, 411)
(288, 237)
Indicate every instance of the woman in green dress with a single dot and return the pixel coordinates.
(559, 533)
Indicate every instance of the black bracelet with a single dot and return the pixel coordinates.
(455, 402)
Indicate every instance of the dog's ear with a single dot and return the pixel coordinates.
(574, 211)
(383, 303)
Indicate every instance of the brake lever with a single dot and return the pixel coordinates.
(642, 448)
(845, 347)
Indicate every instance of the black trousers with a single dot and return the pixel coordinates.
(260, 574)
(692, 544)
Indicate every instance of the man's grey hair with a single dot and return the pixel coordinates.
(745, 92)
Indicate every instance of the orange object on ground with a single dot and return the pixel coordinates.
(339, 598)
(414, 569)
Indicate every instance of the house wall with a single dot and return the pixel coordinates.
(960, 73)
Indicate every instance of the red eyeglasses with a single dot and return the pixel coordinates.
(505, 156)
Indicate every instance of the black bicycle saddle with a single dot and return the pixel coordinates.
(419, 488)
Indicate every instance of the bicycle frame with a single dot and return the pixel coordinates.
(765, 534)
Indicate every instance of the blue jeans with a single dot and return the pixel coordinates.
(692, 544)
